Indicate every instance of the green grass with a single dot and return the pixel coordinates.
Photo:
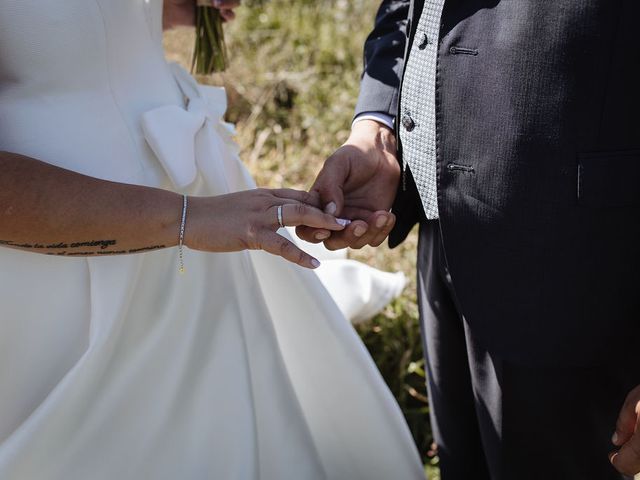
(292, 85)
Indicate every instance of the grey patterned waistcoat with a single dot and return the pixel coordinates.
(417, 107)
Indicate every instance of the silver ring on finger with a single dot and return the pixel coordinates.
(280, 220)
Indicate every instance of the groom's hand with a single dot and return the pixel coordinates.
(627, 436)
(358, 182)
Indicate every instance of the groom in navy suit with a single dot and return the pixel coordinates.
(509, 131)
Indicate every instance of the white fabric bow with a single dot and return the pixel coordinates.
(172, 132)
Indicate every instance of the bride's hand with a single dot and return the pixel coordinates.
(249, 220)
(182, 12)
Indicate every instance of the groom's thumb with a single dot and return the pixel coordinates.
(330, 184)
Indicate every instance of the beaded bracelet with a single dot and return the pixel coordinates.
(183, 222)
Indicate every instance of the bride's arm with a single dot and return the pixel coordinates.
(50, 210)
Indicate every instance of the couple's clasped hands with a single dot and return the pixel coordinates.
(348, 205)
(358, 182)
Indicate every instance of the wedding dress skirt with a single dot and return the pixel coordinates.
(119, 367)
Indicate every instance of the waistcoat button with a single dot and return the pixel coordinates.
(408, 123)
(424, 42)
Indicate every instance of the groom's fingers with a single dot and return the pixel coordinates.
(310, 198)
(349, 237)
(361, 233)
(379, 224)
(312, 235)
(330, 183)
(383, 233)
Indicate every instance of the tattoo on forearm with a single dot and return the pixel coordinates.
(64, 246)
(147, 249)
(103, 244)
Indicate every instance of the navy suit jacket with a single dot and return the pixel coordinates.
(542, 237)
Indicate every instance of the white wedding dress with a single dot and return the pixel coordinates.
(120, 368)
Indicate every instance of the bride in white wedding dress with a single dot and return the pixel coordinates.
(116, 366)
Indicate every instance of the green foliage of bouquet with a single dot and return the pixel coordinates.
(210, 52)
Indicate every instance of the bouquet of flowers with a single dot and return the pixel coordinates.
(210, 52)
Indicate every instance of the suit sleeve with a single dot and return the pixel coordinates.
(384, 59)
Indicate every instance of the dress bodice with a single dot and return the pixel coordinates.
(63, 46)
(77, 75)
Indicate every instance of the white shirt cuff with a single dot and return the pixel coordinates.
(383, 118)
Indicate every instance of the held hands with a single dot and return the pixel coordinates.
(627, 436)
(358, 182)
(182, 12)
(249, 220)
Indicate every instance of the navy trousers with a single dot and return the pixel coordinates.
(494, 420)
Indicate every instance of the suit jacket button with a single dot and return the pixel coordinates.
(408, 123)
